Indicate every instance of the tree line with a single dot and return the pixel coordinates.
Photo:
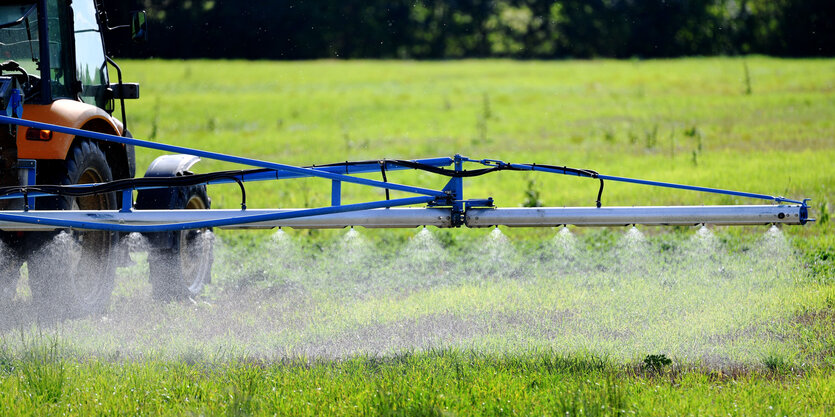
(524, 29)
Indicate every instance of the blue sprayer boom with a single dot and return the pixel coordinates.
(171, 208)
(443, 208)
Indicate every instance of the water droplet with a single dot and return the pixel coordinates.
(9, 274)
(565, 243)
(136, 242)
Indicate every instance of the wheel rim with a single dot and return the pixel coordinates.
(93, 248)
(194, 247)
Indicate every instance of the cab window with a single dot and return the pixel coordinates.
(60, 72)
(91, 66)
(19, 35)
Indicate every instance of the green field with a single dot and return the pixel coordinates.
(475, 322)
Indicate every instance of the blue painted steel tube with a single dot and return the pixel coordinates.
(36, 218)
(280, 175)
(662, 184)
(340, 169)
(127, 201)
(336, 193)
(221, 157)
(701, 189)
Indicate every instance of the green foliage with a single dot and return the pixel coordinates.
(656, 363)
(776, 363)
(532, 195)
(747, 78)
(439, 383)
(477, 28)
(821, 262)
(6, 359)
(695, 134)
(651, 136)
(43, 372)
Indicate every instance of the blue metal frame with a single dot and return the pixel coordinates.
(279, 175)
(31, 168)
(493, 162)
(451, 196)
(244, 218)
(302, 172)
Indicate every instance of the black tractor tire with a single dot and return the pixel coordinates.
(71, 274)
(179, 263)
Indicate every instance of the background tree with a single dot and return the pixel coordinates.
(422, 29)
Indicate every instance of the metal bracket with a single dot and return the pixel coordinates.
(15, 108)
(127, 201)
(485, 203)
(804, 212)
(27, 175)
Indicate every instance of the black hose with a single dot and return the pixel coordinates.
(131, 183)
(383, 171)
(237, 176)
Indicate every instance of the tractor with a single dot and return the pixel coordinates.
(55, 70)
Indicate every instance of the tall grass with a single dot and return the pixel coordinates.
(42, 370)
(444, 382)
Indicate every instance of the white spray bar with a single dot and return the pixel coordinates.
(439, 217)
(646, 215)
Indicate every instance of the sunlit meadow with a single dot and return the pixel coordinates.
(566, 321)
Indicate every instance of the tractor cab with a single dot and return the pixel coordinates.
(63, 80)
(72, 64)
